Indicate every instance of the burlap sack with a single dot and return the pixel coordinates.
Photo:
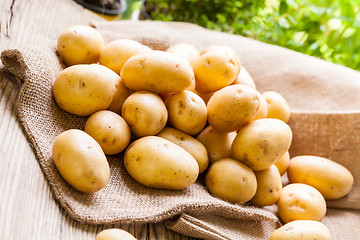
(325, 118)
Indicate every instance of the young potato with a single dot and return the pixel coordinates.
(262, 111)
(109, 130)
(116, 53)
(158, 163)
(84, 89)
(80, 45)
(231, 180)
(232, 107)
(277, 106)
(114, 234)
(120, 95)
(158, 72)
(261, 143)
(301, 202)
(269, 187)
(190, 144)
(187, 112)
(283, 163)
(214, 70)
(80, 161)
(302, 230)
(145, 113)
(217, 144)
(245, 78)
(184, 50)
(224, 49)
(333, 180)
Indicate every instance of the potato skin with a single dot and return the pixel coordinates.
(80, 44)
(184, 50)
(330, 178)
(245, 78)
(158, 72)
(231, 180)
(283, 163)
(84, 89)
(187, 112)
(301, 202)
(114, 234)
(145, 113)
(190, 144)
(232, 107)
(80, 161)
(277, 106)
(158, 163)
(261, 143)
(302, 230)
(110, 130)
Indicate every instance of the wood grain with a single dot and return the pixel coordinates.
(27, 207)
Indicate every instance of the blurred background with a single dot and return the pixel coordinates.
(328, 29)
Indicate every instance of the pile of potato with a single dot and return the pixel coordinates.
(179, 113)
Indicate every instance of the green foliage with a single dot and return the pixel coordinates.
(329, 29)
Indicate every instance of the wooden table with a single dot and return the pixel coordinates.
(27, 207)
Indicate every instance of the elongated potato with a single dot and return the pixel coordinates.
(158, 72)
(190, 144)
(330, 178)
(80, 161)
(158, 163)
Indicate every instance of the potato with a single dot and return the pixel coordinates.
(330, 178)
(269, 187)
(80, 161)
(301, 202)
(302, 230)
(158, 72)
(187, 112)
(116, 53)
(245, 78)
(114, 234)
(184, 50)
(145, 113)
(277, 106)
(214, 70)
(190, 144)
(158, 163)
(84, 89)
(80, 45)
(224, 49)
(217, 144)
(232, 107)
(261, 143)
(231, 180)
(262, 111)
(283, 163)
(109, 130)
(205, 96)
(120, 95)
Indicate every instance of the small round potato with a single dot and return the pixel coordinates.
(302, 230)
(224, 49)
(80, 45)
(277, 106)
(81, 161)
(283, 163)
(330, 178)
(214, 70)
(114, 234)
(269, 187)
(158, 163)
(84, 89)
(116, 53)
(231, 180)
(109, 130)
(184, 50)
(262, 111)
(120, 95)
(245, 78)
(218, 144)
(145, 113)
(190, 144)
(158, 72)
(301, 202)
(187, 112)
(232, 107)
(261, 143)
